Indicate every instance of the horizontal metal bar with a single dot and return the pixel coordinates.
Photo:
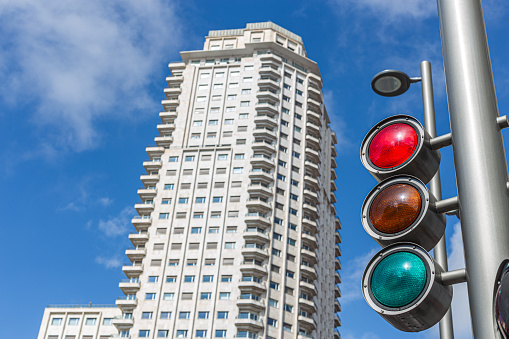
(503, 121)
(441, 141)
(453, 277)
(447, 205)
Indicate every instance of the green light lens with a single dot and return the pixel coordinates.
(398, 279)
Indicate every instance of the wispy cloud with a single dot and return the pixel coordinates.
(113, 262)
(338, 125)
(117, 225)
(74, 63)
(105, 201)
(388, 10)
(352, 276)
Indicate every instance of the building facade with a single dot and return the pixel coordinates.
(236, 233)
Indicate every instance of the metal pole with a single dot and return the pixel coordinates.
(435, 186)
(480, 160)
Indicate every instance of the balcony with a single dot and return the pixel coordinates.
(337, 306)
(246, 304)
(131, 270)
(337, 251)
(265, 133)
(164, 141)
(268, 70)
(135, 254)
(257, 219)
(170, 104)
(313, 155)
(269, 83)
(314, 90)
(267, 94)
(308, 255)
(312, 167)
(307, 304)
(152, 165)
(147, 193)
(307, 323)
(312, 141)
(266, 108)
(172, 91)
(312, 127)
(334, 164)
(149, 179)
(144, 208)
(314, 117)
(123, 324)
(141, 223)
(248, 324)
(139, 238)
(333, 186)
(337, 278)
(264, 120)
(255, 253)
(252, 286)
(333, 199)
(337, 238)
(264, 161)
(253, 268)
(308, 270)
(263, 146)
(334, 138)
(311, 182)
(129, 287)
(308, 288)
(154, 151)
(173, 80)
(338, 224)
(310, 210)
(313, 104)
(337, 264)
(126, 304)
(337, 335)
(166, 128)
(259, 204)
(260, 190)
(337, 321)
(257, 236)
(311, 224)
(168, 116)
(261, 175)
(311, 195)
(333, 152)
(309, 240)
(337, 292)
(333, 209)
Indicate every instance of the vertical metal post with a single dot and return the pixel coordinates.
(479, 155)
(435, 185)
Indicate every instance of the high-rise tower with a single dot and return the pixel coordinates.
(236, 233)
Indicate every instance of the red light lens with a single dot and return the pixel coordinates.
(393, 145)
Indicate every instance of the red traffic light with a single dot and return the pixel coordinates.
(399, 145)
(401, 209)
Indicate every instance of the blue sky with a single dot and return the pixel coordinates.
(80, 94)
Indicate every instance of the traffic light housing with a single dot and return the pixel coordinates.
(402, 284)
(399, 145)
(501, 303)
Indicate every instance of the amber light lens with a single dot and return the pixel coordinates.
(395, 208)
(393, 145)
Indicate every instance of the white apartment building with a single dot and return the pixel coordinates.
(237, 232)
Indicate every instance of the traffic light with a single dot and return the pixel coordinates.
(399, 145)
(502, 300)
(402, 282)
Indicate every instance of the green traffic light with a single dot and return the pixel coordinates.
(398, 279)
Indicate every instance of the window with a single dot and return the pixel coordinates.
(277, 236)
(290, 257)
(173, 159)
(199, 111)
(189, 278)
(274, 285)
(227, 134)
(232, 97)
(290, 274)
(161, 231)
(294, 183)
(201, 333)
(165, 315)
(244, 103)
(220, 75)
(226, 278)
(144, 334)
(211, 245)
(184, 315)
(168, 186)
(210, 262)
(153, 279)
(164, 215)
(192, 262)
(224, 295)
(228, 121)
(296, 154)
(211, 135)
(238, 170)
(275, 268)
(171, 173)
(241, 141)
(215, 214)
(287, 327)
(218, 86)
(205, 296)
(296, 141)
(272, 322)
(285, 98)
(300, 81)
(297, 129)
(155, 262)
(195, 230)
(294, 197)
(176, 246)
(181, 333)
(236, 184)
(183, 200)
(298, 92)
(247, 79)
(162, 333)
(189, 158)
(213, 122)
(295, 169)
(234, 198)
(222, 157)
(171, 279)
(166, 201)
(292, 226)
(243, 116)
(283, 135)
(204, 75)
(56, 321)
(202, 185)
(146, 315)
(285, 110)
(229, 245)
(291, 241)
(200, 200)
(150, 296)
(297, 116)
(213, 229)
(293, 211)
(246, 91)
(283, 149)
(173, 262)
(181, 215)
(202, 87)
(276, 252)
(286, 86)
(208, 278)
(197, 123)
(289, 290)
(178, 230)
(217, 199)
(203, 315)
(107, 321)
(228, 261)
(233, 85)
(195, 136)
(281, 177)
(219, 184)
(273, 303)
(198, 215)
(222, 315)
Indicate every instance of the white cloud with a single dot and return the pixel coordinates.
(118, 225)
(109, 262)
(388, 10)
(105, 201)
(351, 276)
(338, 125)
(76, 62)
